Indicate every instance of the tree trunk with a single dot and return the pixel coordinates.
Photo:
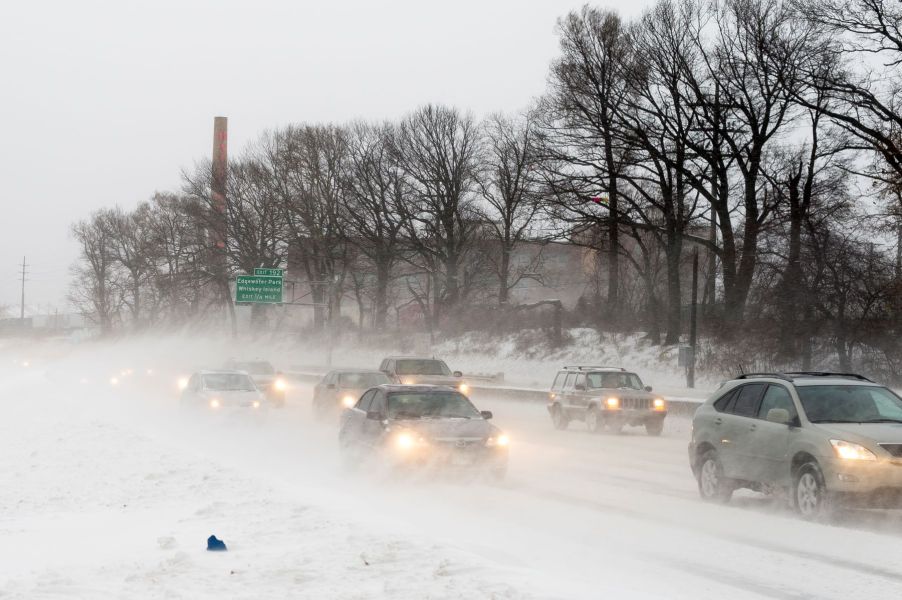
(673, 252)
(380, 300)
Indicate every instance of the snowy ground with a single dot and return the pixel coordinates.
(110, 492)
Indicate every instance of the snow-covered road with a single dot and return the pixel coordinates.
(111, 492)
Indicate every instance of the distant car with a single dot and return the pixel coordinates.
(220, 391)
(271, 382)
(413, 370)
(604, 398)
(824, 438)
(342, 388)
(422, 426)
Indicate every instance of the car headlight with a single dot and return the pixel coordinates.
(850, 451)
(348, 401)
(256, 404)
(612, 402)
(659, 404)
(407, 440)
(280, 385)
(463, 388)
(182, 383)
(215, 403)
(498, 441)
(114, 381)
(407, 381)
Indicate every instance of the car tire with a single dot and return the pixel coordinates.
(654, 428)
(558, 419)
(594, 420)
(712, 485)
(810, 497)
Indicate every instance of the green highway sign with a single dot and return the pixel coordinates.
(266, 289)
(270, 272)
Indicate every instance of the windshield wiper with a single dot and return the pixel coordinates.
(882, 421)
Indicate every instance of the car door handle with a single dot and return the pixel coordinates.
(753, 427)
(718, 421)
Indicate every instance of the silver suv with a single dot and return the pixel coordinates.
(604, 398)
(823, 438)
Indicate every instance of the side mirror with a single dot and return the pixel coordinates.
(778, 415)
(373, 415)
(486, 414)
(648, 388)
(458, 374)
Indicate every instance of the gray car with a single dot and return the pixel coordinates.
(824, 439)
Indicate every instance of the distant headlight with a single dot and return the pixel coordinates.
(182, 383)
(612, 402)
(215, 403)
(256, 404)
(850, 451)
(348, 401)
(659, 404)
(114, 381)
(463, 388)
(501, 441)
(280, 384)
(407, 381)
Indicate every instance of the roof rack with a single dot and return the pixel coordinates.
(783, 376)
(828, 374)
(593, 367)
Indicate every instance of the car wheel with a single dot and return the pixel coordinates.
(558, 419)
(809, 493)
(654, 428)
(593, 420)
(712, 485)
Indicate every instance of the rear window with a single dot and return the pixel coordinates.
(558, 381)
(362, 380)
(723, 403)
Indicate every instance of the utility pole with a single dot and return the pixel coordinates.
(22, 305)
(693, 323)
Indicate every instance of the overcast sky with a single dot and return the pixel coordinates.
(102, 103)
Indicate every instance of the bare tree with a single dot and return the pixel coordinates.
(587, 87)
(94, 287)
(377, 194)
(511, 186)
(438, 148)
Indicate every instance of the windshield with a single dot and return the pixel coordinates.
(228, 382)
(850, 404)
(421, 405)
(629, 381)
(422, 366)
(362, 380)
(256, 368)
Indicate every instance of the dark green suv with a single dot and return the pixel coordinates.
(604, 398)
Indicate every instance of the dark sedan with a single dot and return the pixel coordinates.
(422, 426)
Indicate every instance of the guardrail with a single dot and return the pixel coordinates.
(675, 406)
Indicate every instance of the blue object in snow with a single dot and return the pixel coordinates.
(215, 545)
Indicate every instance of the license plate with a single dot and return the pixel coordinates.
(459, 459)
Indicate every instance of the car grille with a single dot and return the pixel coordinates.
(635, 403)
(460, 443)
(894, 449)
